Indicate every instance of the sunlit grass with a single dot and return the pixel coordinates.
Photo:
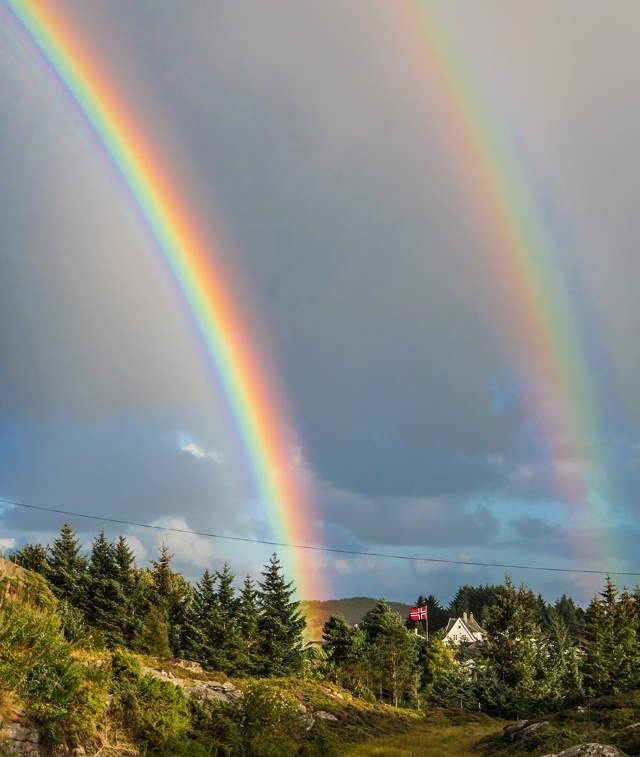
(430, 740)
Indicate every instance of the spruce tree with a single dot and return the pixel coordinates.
(337, 636)
(601, 642)
(172, 595)
(152, 637)
(32, 557)
(104, 600)
(248, 624)
(67, 567)
(279, 623)
(514, 665)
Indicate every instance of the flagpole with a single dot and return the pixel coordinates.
(426, 623)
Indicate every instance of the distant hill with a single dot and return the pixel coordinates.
(352, 610)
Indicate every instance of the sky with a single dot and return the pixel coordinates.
(313, 142)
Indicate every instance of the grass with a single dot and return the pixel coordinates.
(446, 733)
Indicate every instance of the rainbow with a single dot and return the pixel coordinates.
(546, 344)
(262, 422)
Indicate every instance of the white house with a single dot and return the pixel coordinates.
(464, 630)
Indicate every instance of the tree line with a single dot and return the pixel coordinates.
(105, 600)
(535, 657)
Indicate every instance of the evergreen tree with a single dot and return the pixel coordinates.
(248, 624)
(514, 657)
(337, 636)
(393, 655)
(104, 596)
(32, 557)
(125, 559)
(152, 637)
(475, 599)
(601, 643)
(67, 567)
(280, 624)
(225, 592)
(572, 616)
(172, 594)
(377, 619)
(627, 652)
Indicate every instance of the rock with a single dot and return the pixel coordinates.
(531, 729)
(19, 739)
(203, 690)
(588, 750)
(522, 729)
(509, 730)
(189, 665)
(323, 715)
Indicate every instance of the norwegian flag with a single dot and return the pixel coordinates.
(418, 613)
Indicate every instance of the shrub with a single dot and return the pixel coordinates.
(36, 663)
(156, 713)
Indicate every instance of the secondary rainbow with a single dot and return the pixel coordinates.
(546, 344)
(248, 384)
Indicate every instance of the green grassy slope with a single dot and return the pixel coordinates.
(453, 733)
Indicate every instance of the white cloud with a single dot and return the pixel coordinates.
(186, 547)
(191, 448)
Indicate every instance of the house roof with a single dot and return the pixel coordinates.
(470, 625)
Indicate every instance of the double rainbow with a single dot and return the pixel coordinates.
(251, 392)
(546, 344)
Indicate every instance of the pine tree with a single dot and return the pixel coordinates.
(279, 623)
(172, 595)
(152, 638)
(377, 619)
(626, 653)
(104, 596)
(514, 658)
(336, 634)
(225, 593)
(67, 567)
(393, 655)
(32, 557)
(248, 624)
(601, 643)
(125, 559)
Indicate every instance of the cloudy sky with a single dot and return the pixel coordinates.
(314, 142)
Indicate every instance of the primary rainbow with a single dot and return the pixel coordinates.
(251, 392)
(547, 347)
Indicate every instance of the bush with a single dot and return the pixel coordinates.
(36, 663)
(156, 713)
(269, 723)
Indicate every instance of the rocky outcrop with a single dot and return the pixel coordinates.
(522, 729)
(221, 691)
(19, 738)
(588, 750)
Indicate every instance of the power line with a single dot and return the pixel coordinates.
(315, 548)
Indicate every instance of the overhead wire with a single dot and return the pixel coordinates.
(317, 548)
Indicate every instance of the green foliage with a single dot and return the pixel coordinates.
(280, 624)
(36, 663)
(67, 567)
(104, 596)
(153, 637)
(155, 713)
(32, 557)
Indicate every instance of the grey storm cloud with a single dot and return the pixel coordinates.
(308, 137)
